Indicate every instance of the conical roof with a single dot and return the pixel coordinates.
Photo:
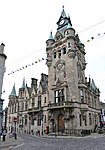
(13, 92)
(23, 84)
(50, 36)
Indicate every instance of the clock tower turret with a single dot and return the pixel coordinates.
(67, 86)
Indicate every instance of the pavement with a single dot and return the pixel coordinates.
(9, 143)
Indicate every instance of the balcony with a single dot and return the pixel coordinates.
(35, 109)
(65, 104)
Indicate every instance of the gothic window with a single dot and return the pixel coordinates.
(95, 101)
(54, 54)
(39, 101)
(92, 102)
(64, 50)
(26, 105)
(80, 119)
(39, 120)
(22, 106)
(82, 96)
(45, 119)
(15, 108)
(59, 53)
(59, 96)
(33, 103)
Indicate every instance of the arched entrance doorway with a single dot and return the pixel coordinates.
(61, 124)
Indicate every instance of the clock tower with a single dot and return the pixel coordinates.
(66, 76)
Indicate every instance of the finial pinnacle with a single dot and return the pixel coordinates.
(63, 7)
(51, 32)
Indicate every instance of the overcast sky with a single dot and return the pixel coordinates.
(25, 26)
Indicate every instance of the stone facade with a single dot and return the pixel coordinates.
(2, 70)
(65, 100)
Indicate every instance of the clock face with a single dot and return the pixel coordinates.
(62, 22)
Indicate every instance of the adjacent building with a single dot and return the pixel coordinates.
(2, 70)
(64, 100)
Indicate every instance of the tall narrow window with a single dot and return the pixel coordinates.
(82, 96)
(44, 99)
(26, 104)
(54, 54)
(64, 50)
(80, 118)
(59, 53)
(39, 101)
(45, 119)
(33, 103)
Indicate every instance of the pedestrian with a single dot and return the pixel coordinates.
(4, 134)
(15, 136)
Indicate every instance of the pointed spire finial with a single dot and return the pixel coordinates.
(13, 92)
(23, 84)
(63, 14)
(51, 37)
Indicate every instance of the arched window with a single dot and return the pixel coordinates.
(82, 96)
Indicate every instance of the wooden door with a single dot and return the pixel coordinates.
(61, 122)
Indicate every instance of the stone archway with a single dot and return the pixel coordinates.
(61, 124)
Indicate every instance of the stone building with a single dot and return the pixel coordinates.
(2, 70)
(65, 100)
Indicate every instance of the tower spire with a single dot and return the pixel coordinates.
(63, 14)
(13, 92)
(23, 84)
